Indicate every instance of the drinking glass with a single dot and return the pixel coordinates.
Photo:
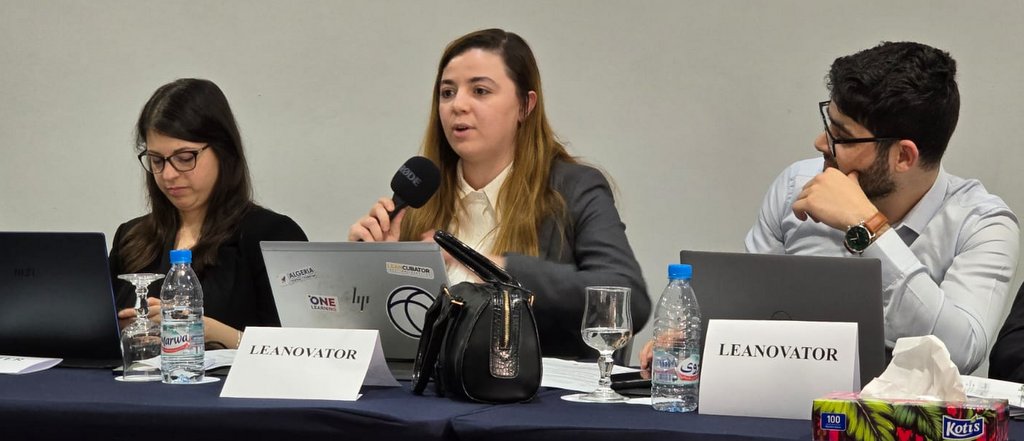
(607, 326)
(140, 340)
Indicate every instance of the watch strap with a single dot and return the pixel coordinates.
(875, 223)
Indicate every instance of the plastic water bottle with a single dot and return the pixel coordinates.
(181, 330)
(677, 333)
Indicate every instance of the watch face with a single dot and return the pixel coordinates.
(858, 238)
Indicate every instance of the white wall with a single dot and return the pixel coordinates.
(693, 107)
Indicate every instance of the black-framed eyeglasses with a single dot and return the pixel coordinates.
(182, 161)
(833, 140)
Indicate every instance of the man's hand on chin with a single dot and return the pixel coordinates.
(835, 199)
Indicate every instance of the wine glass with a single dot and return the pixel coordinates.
(607, 326)
(140, 340)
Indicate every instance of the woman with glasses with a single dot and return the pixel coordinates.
(200, 198)
(511, 190)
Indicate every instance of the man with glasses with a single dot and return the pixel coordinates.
(948, 248)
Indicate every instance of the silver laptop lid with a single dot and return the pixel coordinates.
(787, 287)
(56, 298)
(357, 285)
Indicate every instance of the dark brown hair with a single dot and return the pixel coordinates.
(197, 111)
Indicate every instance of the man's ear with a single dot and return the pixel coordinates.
(905, 154)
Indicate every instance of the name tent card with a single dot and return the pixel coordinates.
(17, 365)
(775, 368)
(306, 363)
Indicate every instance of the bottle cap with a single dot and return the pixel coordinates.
(680, 271)
(181, 256)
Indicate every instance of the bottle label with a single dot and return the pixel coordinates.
(688, 370)
(182, 338)
(174, 342)
(671, 368)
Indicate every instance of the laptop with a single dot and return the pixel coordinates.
(56, 299)
(788, 287)
(358, 285)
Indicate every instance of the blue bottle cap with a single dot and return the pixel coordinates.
(181, 256)
(680, 271)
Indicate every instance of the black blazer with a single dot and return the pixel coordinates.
(1007, 359)
(236, 290)
(590, 250)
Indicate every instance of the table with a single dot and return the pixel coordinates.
(549, 417)
(87, 403)
(74, 403)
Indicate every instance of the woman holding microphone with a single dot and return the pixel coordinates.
(510, 190)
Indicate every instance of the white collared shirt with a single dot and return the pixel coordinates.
(478, 220)
(945, 272)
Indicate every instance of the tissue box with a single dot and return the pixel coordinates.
(846, 416)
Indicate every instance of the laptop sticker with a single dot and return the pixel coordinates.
(297, 276)
(401, 269)
(407, 306)
(323, 303)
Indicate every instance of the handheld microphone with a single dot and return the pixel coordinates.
(414, 183)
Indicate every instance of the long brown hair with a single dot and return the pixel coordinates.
(197, 111)
(526, 198)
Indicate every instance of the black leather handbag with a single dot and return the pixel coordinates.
(479, 340)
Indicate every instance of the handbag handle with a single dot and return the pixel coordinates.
(484, 268)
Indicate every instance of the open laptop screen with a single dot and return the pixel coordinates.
(786, 287)
(56, 298)
(355, 285)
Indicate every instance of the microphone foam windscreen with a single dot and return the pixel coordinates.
(416, 181)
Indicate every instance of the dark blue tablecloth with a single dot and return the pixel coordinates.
(551, 418)
(89, 404)
(76, 403)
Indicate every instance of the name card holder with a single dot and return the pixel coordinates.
(17, 365)
(775, 368)
(306, 363)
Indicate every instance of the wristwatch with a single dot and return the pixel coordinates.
(859, 236)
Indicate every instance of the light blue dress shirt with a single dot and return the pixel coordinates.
(946, 271)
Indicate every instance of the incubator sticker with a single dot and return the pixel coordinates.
(401, 269)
